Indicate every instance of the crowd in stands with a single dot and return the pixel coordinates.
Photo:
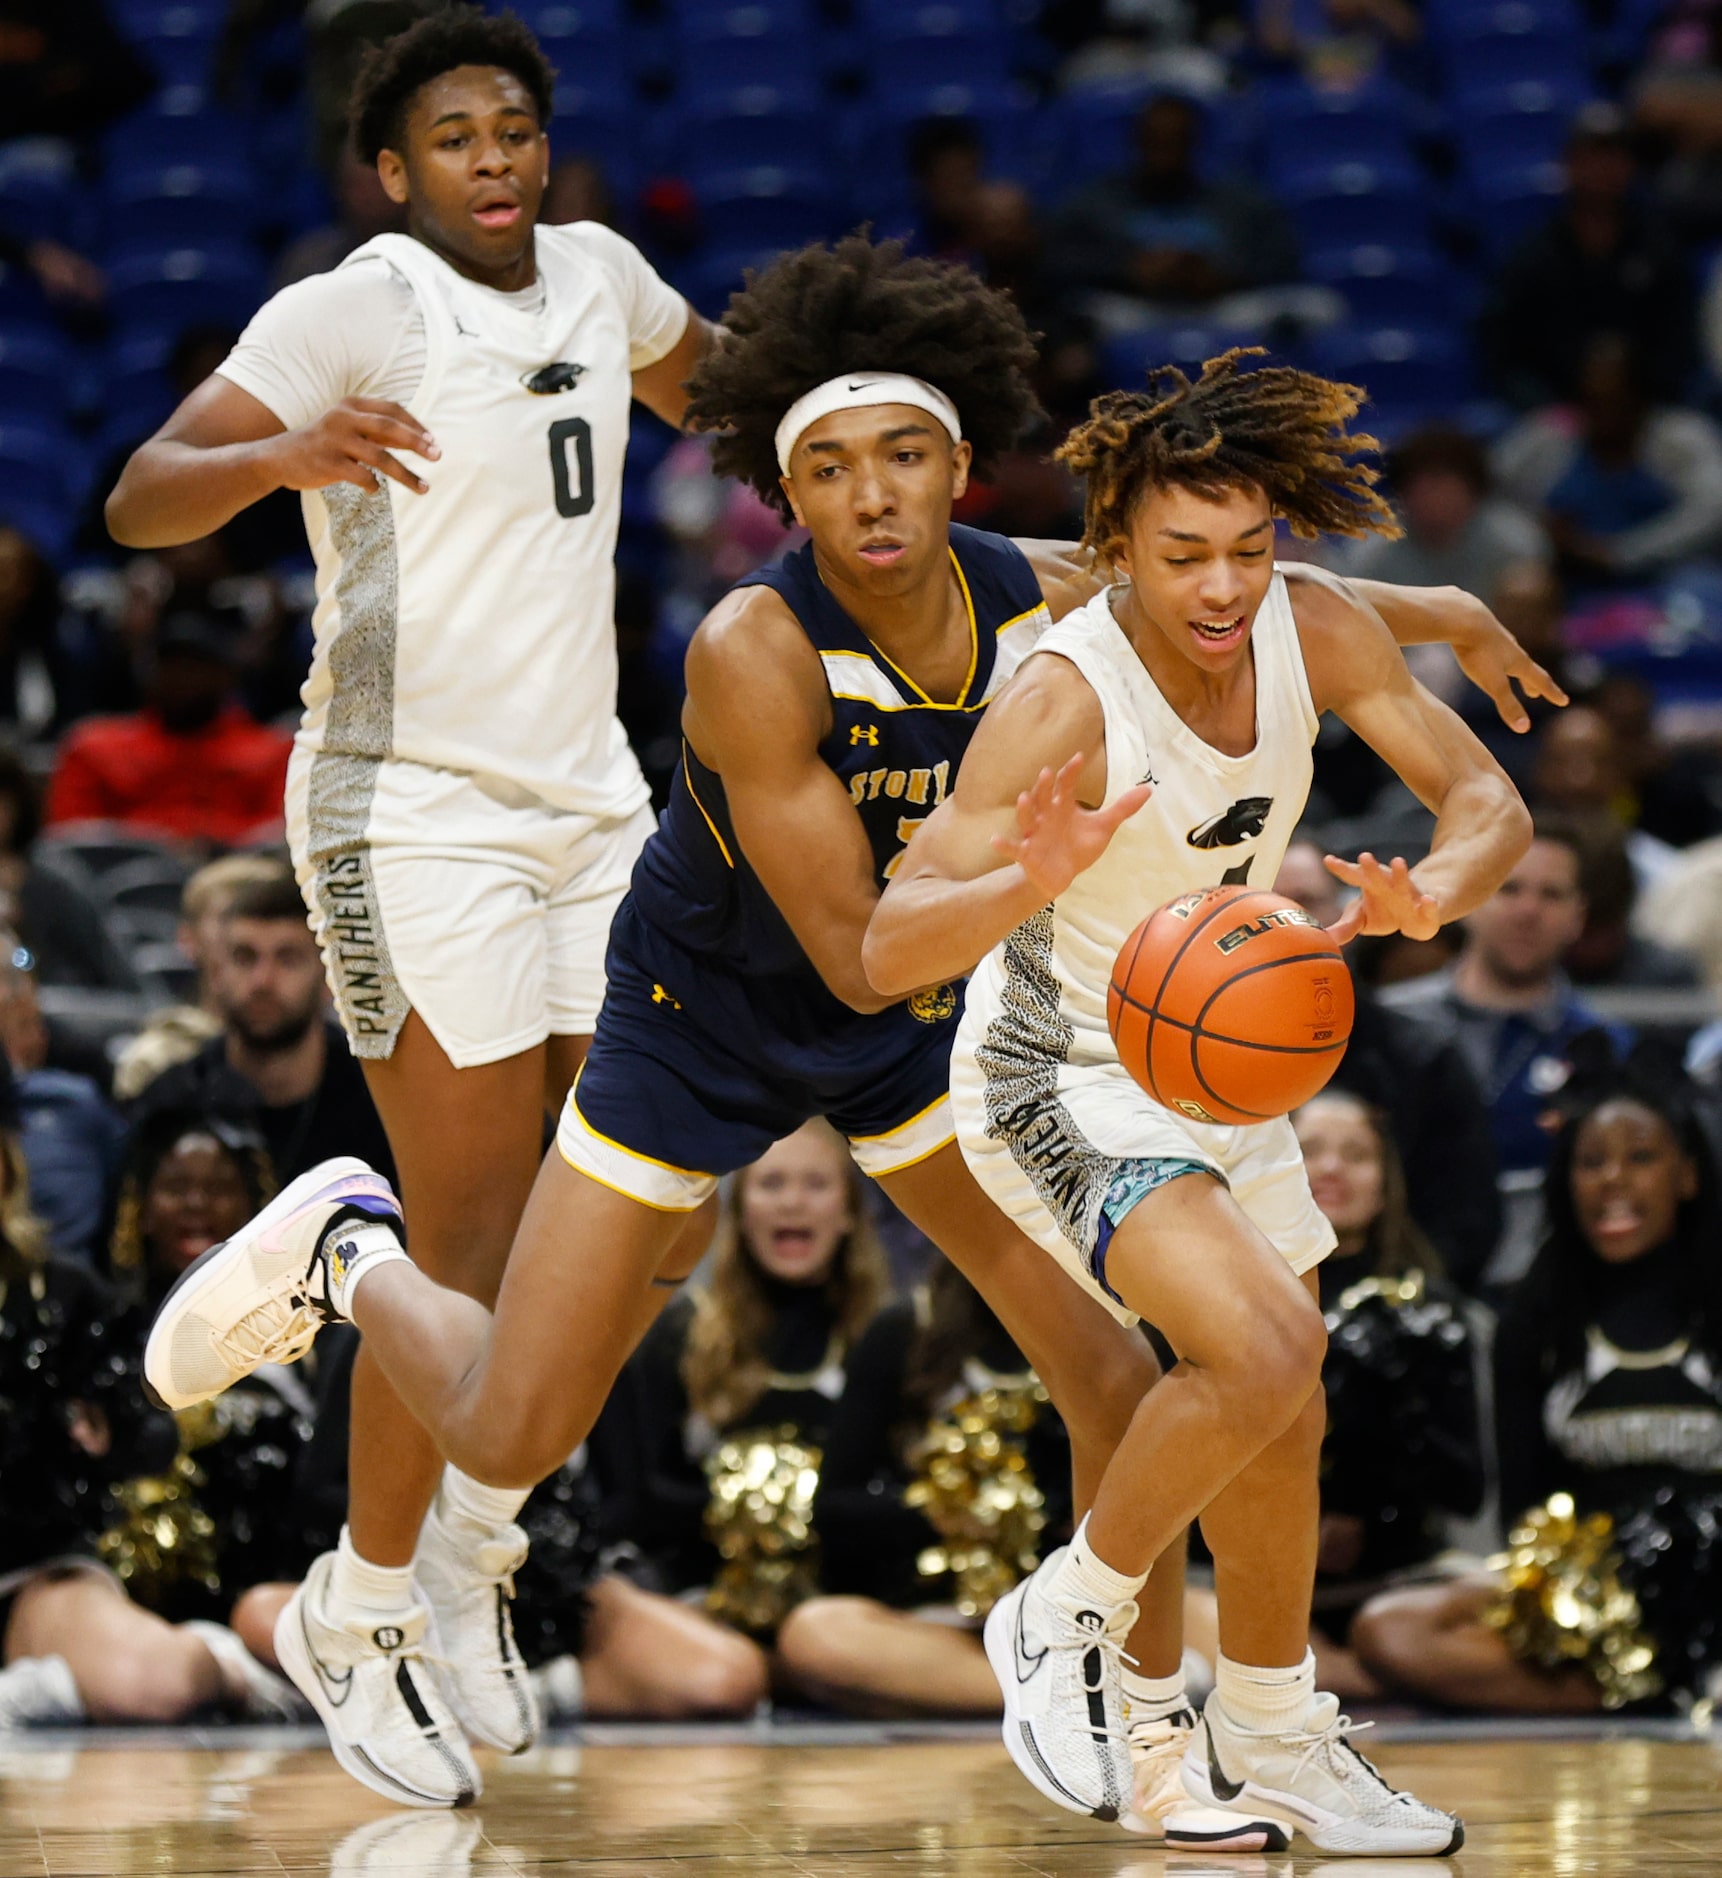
(1503, 216)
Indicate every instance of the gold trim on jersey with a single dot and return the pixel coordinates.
(921, 699)
(694, 795)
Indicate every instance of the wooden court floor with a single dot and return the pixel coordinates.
(794, 1803)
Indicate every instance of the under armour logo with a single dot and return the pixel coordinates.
(388, 1637)
(661, 996)
(864, 733)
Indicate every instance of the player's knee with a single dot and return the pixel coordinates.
(1277, 1356)
(814, 1643)
(1394, 1638)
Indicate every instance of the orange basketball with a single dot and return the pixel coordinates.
(1230, 1005)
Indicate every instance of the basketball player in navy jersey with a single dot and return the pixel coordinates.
(1181, 702)
(829, 703)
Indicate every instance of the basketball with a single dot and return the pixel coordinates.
(1230, 1005)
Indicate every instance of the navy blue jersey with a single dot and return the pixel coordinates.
(896, 749)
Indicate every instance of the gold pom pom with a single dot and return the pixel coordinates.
(979, 1494)
(760, 1518)
(1562, 1603)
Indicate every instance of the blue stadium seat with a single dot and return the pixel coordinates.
(789, 63)
(1354, 205)
(1509, 201)
(37, 462)
(702, 20)
(177, 40)
(1505, 42)
(919, 45)
(1303, 128)
(718, 273)
(724, 137)
(570, 20)
(168, 291)
(178, 125)
(35, 376)
(1412, 374)
(1385, 285)
(768, 208)
(186, 206)
(40, 201)
(933, 19)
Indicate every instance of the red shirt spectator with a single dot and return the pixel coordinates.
(191, 763)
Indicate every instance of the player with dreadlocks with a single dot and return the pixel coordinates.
(1145, 719)
(830, 700)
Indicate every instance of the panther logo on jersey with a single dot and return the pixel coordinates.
(1242, 821)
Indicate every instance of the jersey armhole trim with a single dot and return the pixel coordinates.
(694, 797)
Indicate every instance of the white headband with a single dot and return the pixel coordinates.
(853, 392)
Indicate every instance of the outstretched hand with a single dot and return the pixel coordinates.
(1056, 837)
(1388, 900)
(1492, 659)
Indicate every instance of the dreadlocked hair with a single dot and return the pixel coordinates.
(1275, 429)
(860, 306)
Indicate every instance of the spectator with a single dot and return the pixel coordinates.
(66, 71)
(1601, 265)
(1530, 602)
(756, 1358)
(49, 909)
(1684, 909)
(1632, 489)
(902, 1637)
(1607, 1368)
(362, 209)
(1677, 788)
(29, 603)
(1458, 533)
(192, 763)
(170, 1036)
(1576, 770)
(1511, 1009)
(1403, 1448)
(205, 905)
(1414, 1073)
(947, 165)
(1608, 951)
(74, 1646)
(1162, 238)
(190, 1182)
(579, 191)
(279, 1062)
(71, 1137)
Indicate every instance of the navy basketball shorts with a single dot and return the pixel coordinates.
(696, 1070)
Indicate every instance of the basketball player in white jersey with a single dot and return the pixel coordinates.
(1183, 701)
(463, 807)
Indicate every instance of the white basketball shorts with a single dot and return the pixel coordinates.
(1065, 1151)
(458, 896)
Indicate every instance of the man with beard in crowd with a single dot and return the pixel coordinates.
(278, 1061)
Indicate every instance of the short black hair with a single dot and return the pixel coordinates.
(392, 74)
(275, 896)
(930, 138)
(860, 306)
(1439, 449)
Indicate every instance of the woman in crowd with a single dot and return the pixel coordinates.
(73, 1422)
(1403, 1445)
(1608, 1388)
(744, 1375)
(190, 1181)
(947, 1474)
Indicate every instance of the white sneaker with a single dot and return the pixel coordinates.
(561, 1688)
(262, 1296)
(39, 1692)
(374, 1691)
(484, 1676)
(398, 1845)
(1163, 1809)
(1314, 1781)
(267, 1697)
(1058, 1662)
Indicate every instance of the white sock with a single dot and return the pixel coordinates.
(1154, 1698)
(1092, 1579)
(358, 1249)
(468, 1507)
(356, 1584)
(1265, 1701)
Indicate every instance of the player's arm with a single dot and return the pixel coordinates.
(757, 708)
(223, 449)
(1488, 654)
(1011, 836)
(1481, 826)
(1070, 575)
(662, 386)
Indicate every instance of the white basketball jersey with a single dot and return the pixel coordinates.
(1212, 818)
(473, 628)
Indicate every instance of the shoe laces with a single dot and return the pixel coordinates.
(1331, 1740)
(1110, 1655)
(279, 1331)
